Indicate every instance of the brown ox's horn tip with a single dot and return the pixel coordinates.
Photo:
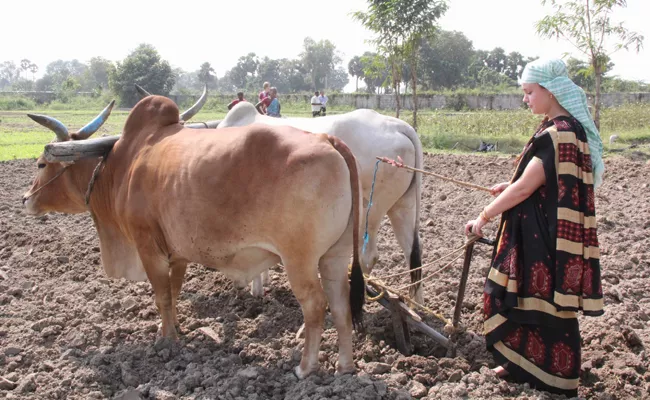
(94, 125)
(53, 124)
(141, 91)
(192, 111)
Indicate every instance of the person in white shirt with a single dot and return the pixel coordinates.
(323, 102)
(315, 105)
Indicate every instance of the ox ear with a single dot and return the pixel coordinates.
(53, 124)
(94, 125)
(192, 111)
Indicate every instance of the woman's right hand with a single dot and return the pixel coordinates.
(498, 188)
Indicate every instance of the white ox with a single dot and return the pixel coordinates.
(397, 192)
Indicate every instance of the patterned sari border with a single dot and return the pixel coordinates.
(550, 380)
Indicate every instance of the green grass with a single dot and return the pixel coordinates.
(440, 130)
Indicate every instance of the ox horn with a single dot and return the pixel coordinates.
(192, 111)
(53, 124)
(95, 124)
(143, 93)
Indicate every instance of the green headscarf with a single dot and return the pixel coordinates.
(552, 74)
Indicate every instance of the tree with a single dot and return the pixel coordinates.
(24, 64)
(444, 61)
(337, 79)
(205, 77)
(400, 26)
(243, 74)
(586, 25)
(295, 74)
(375, 71)
(185, 82)
(355, 69)
(320, 59)
(144, 67)
(9, 73)
(578, 71)
(98, 73)
(59, 71)
(33, 68)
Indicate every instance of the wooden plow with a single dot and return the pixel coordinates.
(403, 317)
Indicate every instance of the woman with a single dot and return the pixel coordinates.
(546, 266)
(273, 109)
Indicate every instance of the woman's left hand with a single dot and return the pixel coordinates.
(475, 227)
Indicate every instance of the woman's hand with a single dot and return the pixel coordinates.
(475, 227)
(498, 188)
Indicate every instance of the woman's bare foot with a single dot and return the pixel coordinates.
(500, 371)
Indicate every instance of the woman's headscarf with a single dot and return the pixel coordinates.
(552, 75)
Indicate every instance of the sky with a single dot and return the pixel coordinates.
(191, 32)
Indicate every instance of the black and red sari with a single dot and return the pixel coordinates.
(546, 265)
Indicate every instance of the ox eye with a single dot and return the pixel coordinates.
(41, 165)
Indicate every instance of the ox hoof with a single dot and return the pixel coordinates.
(257, 291)
(344, 370)
(302, 373)
(265, 278)
(301, 332)
(417, 295)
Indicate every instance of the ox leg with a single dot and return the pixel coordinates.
(334, 276)
(402, 218)
(303, 278)
(157, 269)
(176, 275)
(257, 286)
(370, 257)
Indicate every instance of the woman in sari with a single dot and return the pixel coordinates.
(545, 267)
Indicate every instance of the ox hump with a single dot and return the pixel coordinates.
(149, 114)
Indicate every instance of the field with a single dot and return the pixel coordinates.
(439, 130)
(68, 332)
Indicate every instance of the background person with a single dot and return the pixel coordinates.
(315, 105)
(239, 99)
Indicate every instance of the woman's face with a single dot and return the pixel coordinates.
(538, 98)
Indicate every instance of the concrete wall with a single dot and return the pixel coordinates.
(425, 101)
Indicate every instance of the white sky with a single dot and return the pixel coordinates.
(190, 32)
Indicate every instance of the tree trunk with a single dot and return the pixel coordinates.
(395, 86)
(357, 87)
(414, 87)
(596, 115)
(397, 102)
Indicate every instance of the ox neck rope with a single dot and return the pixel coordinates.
(91, 183)
(366, 238)
(58, 174)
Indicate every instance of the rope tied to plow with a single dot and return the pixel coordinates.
(382, 288)
(400, 164)
(366, 237)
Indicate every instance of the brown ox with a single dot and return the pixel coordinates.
(238, 201)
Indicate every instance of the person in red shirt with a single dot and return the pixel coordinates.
(240, 98)
(264, 94)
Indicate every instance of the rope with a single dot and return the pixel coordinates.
(469, 241)
(377, 282)
(91, 184)
(366, 238)
(400, 164)
(58, 174)
(406, 299)
(431, 275)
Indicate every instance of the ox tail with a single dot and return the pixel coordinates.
(357, 284)
(416, 187)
